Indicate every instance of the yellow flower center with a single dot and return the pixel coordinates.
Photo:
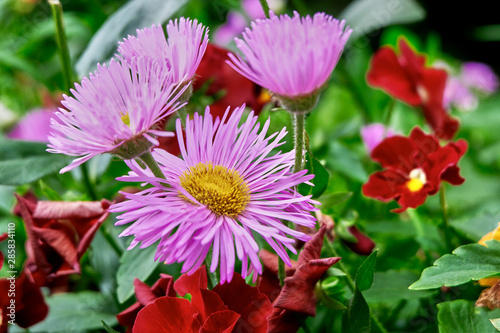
(220, 189)
(417, 180)
(126, 119)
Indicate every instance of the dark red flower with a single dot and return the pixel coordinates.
(59, 233)
(231, 307)
(29, 306)
(146, 295)
(223, 79)
(364, 244)
(298, 294)
(414, 168)
(406, 77)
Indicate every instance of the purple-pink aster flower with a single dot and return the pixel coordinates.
(114, 111)
(181, 53)
(479, 76)
(35, 126)
(291, 56)
(458, 95)
(226, 188)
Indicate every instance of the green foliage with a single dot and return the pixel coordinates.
(24, 162)
(136, 263)
(461, 316)
(364, 276)
(467, 263)
(70, 312)
(357, 316)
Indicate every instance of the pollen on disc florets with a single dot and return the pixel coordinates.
(220, 189)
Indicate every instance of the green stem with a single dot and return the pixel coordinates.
(417, 223)
(62, 42)
(298, 130)
(388, 116)
(111, 241)
(150, 162)
(445, 224)
(265, 7)
(281, 271)
(352, 284)
(212, 277)
(88, 184)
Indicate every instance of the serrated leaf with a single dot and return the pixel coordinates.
(136, 263)
(467, 263)
(357, 316)
(392, 286)
(364, 276)
(365, 16)
(135, 14)
(70, 312)
(461, 316)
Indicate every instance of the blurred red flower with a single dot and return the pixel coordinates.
(414, 168)
(58, 234)
(364, 245)
(407, 78)
(233, 306)
(30, 307)
(297, 297)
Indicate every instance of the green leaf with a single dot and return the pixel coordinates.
(332, 199)
(357, 316)
(70, 312)
(345, 161)
(136, 263)
(135, 14)
(392, 286)
(365, 16)
(364, 276)
(461, 316)
(467, 263)
(23, 162)
(496, 323)
(320, 179)
(108, 328)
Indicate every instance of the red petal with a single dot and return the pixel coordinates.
(127, 317)
(426, 143)
(253, 306)
(283, 321)
(384, 185)
(268, 283)
(298, 292)
(165, 315)
(440, 121)
(30, 305)
(220, 322)
(364, 244)
(388, 74)
(411, 199)
(397, 152)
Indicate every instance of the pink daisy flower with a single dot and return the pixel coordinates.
(114, 111)
(226, 188)
(291, 56)
(181, 53)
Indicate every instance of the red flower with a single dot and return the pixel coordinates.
(406, 77)
(146, 295)
(364, 244)
(414, 168)
(30, 307)
(298, 295)
(223, 79)
(234, 306)
(59, 233)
